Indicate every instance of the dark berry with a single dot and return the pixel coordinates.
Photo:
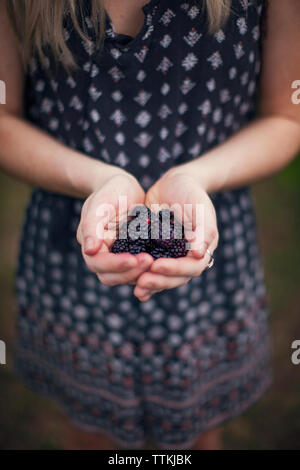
(159, 234)
(120, 246)
(178, 249)
(157, 252)
(138, 246)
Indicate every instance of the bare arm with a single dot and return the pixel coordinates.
(30, 154)
(272, 140)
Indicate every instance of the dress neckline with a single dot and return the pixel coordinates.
(125, 41)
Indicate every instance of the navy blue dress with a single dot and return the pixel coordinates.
(191, 358)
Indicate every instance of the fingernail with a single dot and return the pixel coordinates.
(202, 248)
(89, 244)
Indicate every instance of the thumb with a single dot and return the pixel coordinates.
(89, 239)
(98, 225)
(91, 245)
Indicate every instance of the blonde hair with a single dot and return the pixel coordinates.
(40, 22)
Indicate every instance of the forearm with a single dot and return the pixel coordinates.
(33, 156)
(260, 149)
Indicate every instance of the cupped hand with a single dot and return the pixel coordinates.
(100, 213)
(183, 192)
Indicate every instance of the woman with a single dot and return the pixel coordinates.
(155, 101)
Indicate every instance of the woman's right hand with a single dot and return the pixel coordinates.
(111, 269)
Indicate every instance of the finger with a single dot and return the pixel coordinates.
(143, 295)
(155, 282)
(128, 277)
(187, 266)
(198, 247)
(94, 229)
(91, 245)
(110, 262)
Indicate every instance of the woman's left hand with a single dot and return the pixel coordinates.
(181, 188)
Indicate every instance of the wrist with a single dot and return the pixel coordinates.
(192, 170)
(102, 174)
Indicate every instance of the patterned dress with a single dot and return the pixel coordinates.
(190, 358)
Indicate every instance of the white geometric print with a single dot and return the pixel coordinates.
(165, 89)
(242, 25)
(143, 139)
(182, 108)
(120, 138)
(167, 17)
(166, 41)
(225, 95)
(238, 50)
(95, 116)
(164, 111)
(122, 159)
(220, 36)
(177, 149)
(187, 85)
(143, 97)
(201, 129)
(180, 128)
(205, 107)
(192, 38)
(94, 93)
(211, 84)
(116, 73)
(163, 155)
(193, 12)
(165, 65)
(163, 133)
(232, 73)
(118, 117)
(195, 150)
(76, 103)
(141, 75)
(71, 82)
(141, 56)
(143, 118)
(185, 6)
(189, 61)
(115, 53)
(117, 96)
(144, 161)
(95, 71)
(215, 59)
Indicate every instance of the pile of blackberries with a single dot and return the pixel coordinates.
(158, 234)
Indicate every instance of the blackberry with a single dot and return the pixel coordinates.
(120, 246)
(160, 235)
(178, 249)
(138, 246)
(167, 244)
(157, 252)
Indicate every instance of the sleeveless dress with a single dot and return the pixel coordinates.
(190, 358)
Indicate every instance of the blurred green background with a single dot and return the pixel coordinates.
(28, 421)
